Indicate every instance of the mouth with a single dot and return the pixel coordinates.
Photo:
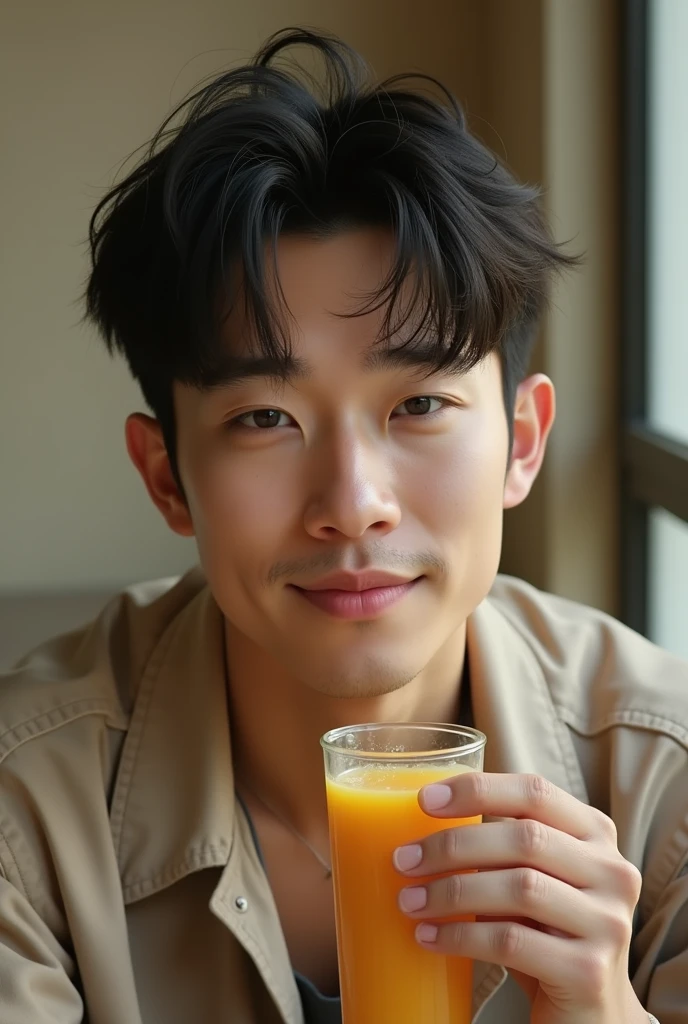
(357, 595)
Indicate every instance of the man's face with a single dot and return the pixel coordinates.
(356, 466)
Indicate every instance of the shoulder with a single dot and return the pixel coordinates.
(599, 672)
(623, 702)
(93, 671)
(64, 714)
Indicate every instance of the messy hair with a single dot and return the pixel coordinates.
(268, 148)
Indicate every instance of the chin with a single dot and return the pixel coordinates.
(366, 679)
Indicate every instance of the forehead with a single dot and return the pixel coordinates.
(331, 300)
(330, 276)
(314, 282)
(321, 289)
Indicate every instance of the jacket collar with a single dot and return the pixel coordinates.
(512, 703)
(172, 810)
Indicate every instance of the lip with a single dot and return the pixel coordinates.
(355, 600)
(357, 581)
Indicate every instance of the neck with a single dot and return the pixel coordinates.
(277, 722)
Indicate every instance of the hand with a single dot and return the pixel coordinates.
(553, 896)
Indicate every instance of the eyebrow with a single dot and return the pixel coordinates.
(401, 358)
(236, 370)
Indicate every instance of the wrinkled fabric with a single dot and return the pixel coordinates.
(130, 889)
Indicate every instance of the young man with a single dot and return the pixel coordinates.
(328, 302)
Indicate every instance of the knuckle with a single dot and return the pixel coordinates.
(478, 783)
(539, 791)
(619, 928)
(606, 825)
(454, 891)
(630, 880)
(508, 940)
(531, 887)
(448, 844)
(531, 838)
(455, 934)
(593, 972)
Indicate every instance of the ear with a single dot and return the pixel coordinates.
(147, 451)
(533, 418)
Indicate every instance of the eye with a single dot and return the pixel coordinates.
(420, 405)
(263, 419)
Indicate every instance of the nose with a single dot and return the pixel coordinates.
(351, 493)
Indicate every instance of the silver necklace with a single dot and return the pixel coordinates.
(290, 828)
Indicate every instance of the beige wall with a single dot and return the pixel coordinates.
(552, 105)
(84, 83)
(582, 331)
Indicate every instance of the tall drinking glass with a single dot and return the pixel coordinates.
(373, 775)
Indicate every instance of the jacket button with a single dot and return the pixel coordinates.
(241, 903)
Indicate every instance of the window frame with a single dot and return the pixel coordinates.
(654, 467)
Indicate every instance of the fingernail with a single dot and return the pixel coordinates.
(426, 932)
(435, 797)
(412, 899)
(407, 857)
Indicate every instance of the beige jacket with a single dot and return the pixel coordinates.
(130, 889)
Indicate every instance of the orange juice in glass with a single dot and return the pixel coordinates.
(373, 775)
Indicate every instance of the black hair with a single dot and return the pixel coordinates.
(265, 149)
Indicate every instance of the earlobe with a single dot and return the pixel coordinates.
(148, 453)
(533, 419)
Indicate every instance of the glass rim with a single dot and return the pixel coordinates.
(329, 741)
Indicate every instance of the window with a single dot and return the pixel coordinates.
(668, 581)
(655, 333)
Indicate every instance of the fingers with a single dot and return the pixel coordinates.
(546, 893)
(504, 844)
(553, 960)
(518, 892)
(516, 796)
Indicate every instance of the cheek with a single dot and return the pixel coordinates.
(462, 512)
(240, 509)
(459, 485)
